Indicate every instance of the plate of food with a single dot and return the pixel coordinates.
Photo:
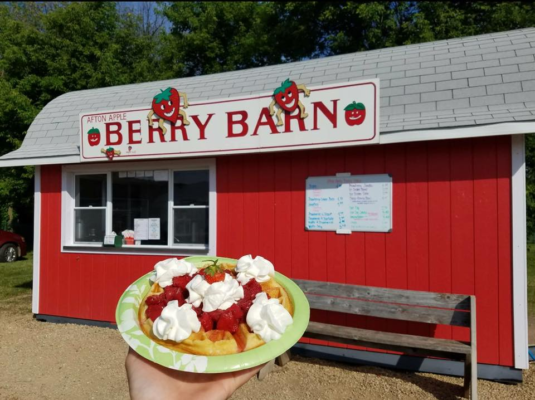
(212, 314)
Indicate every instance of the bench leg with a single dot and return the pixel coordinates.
(473, 385)
(266, 369)
(470, 378)
(467, 375)
(283, 359)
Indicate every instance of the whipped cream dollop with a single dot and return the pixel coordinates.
(268, 318)
(197, 288)
(166, 270)
(258, 268)
(222, 295)
(176, 323)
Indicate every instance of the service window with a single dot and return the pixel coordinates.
(90, 208)
(168, 205)
(190, 206)
(141, 195)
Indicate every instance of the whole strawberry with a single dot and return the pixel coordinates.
(213, 273)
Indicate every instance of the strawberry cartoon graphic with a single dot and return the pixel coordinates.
(110, 152)
(93, 136)
(166, 105)
(355, 113)
(286, 96)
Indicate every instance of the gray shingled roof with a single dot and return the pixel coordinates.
(468, 81)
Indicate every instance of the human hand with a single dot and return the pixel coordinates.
(147, 380)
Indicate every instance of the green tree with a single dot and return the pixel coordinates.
(530, 186)
(49, 48)
(214, 37)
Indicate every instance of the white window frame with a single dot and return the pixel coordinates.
(69, 173)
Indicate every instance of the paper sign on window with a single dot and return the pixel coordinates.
(154, 228)
(141, 229)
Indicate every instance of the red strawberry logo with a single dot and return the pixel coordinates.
(110, 152)
(355, 113)
(287, 95)
(166, 104)
(93, 136)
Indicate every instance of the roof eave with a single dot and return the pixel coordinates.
(498, 129)
(22, 162)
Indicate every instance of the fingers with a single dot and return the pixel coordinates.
(241, 377)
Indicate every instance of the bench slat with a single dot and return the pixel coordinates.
(412, 297)
(390, 311)
(409, 344)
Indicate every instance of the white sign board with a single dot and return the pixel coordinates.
(154, 228)
(141, 228)
(335, 115)
(349, 203)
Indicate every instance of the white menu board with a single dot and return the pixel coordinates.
(349, 203)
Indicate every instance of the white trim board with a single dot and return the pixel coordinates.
(36, 240)
(518, 212)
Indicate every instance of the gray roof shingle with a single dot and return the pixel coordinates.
(467, 81)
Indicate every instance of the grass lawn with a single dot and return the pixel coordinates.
(16, 284)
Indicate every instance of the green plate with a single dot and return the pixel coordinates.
(128, 324)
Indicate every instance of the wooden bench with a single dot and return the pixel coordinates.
(405, 305)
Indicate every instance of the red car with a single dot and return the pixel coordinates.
(12, 246)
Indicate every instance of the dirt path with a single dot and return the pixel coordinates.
(52, 361)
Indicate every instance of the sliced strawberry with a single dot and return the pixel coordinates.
(206, 322)
(174, 293)
(251, 289)
(156, 299)
(228, 322)
(215, 314)
(182, 281)
(153, 300)
(217, 277)
(154, 311)
(236, 311)
(198, 310)
(245, 304)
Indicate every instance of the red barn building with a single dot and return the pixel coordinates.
(446, 120)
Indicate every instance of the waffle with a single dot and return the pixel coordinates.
(216, 342)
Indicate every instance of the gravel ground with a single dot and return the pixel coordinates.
(65, 361)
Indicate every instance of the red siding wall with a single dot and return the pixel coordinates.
(85, 286)
(451, 233)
